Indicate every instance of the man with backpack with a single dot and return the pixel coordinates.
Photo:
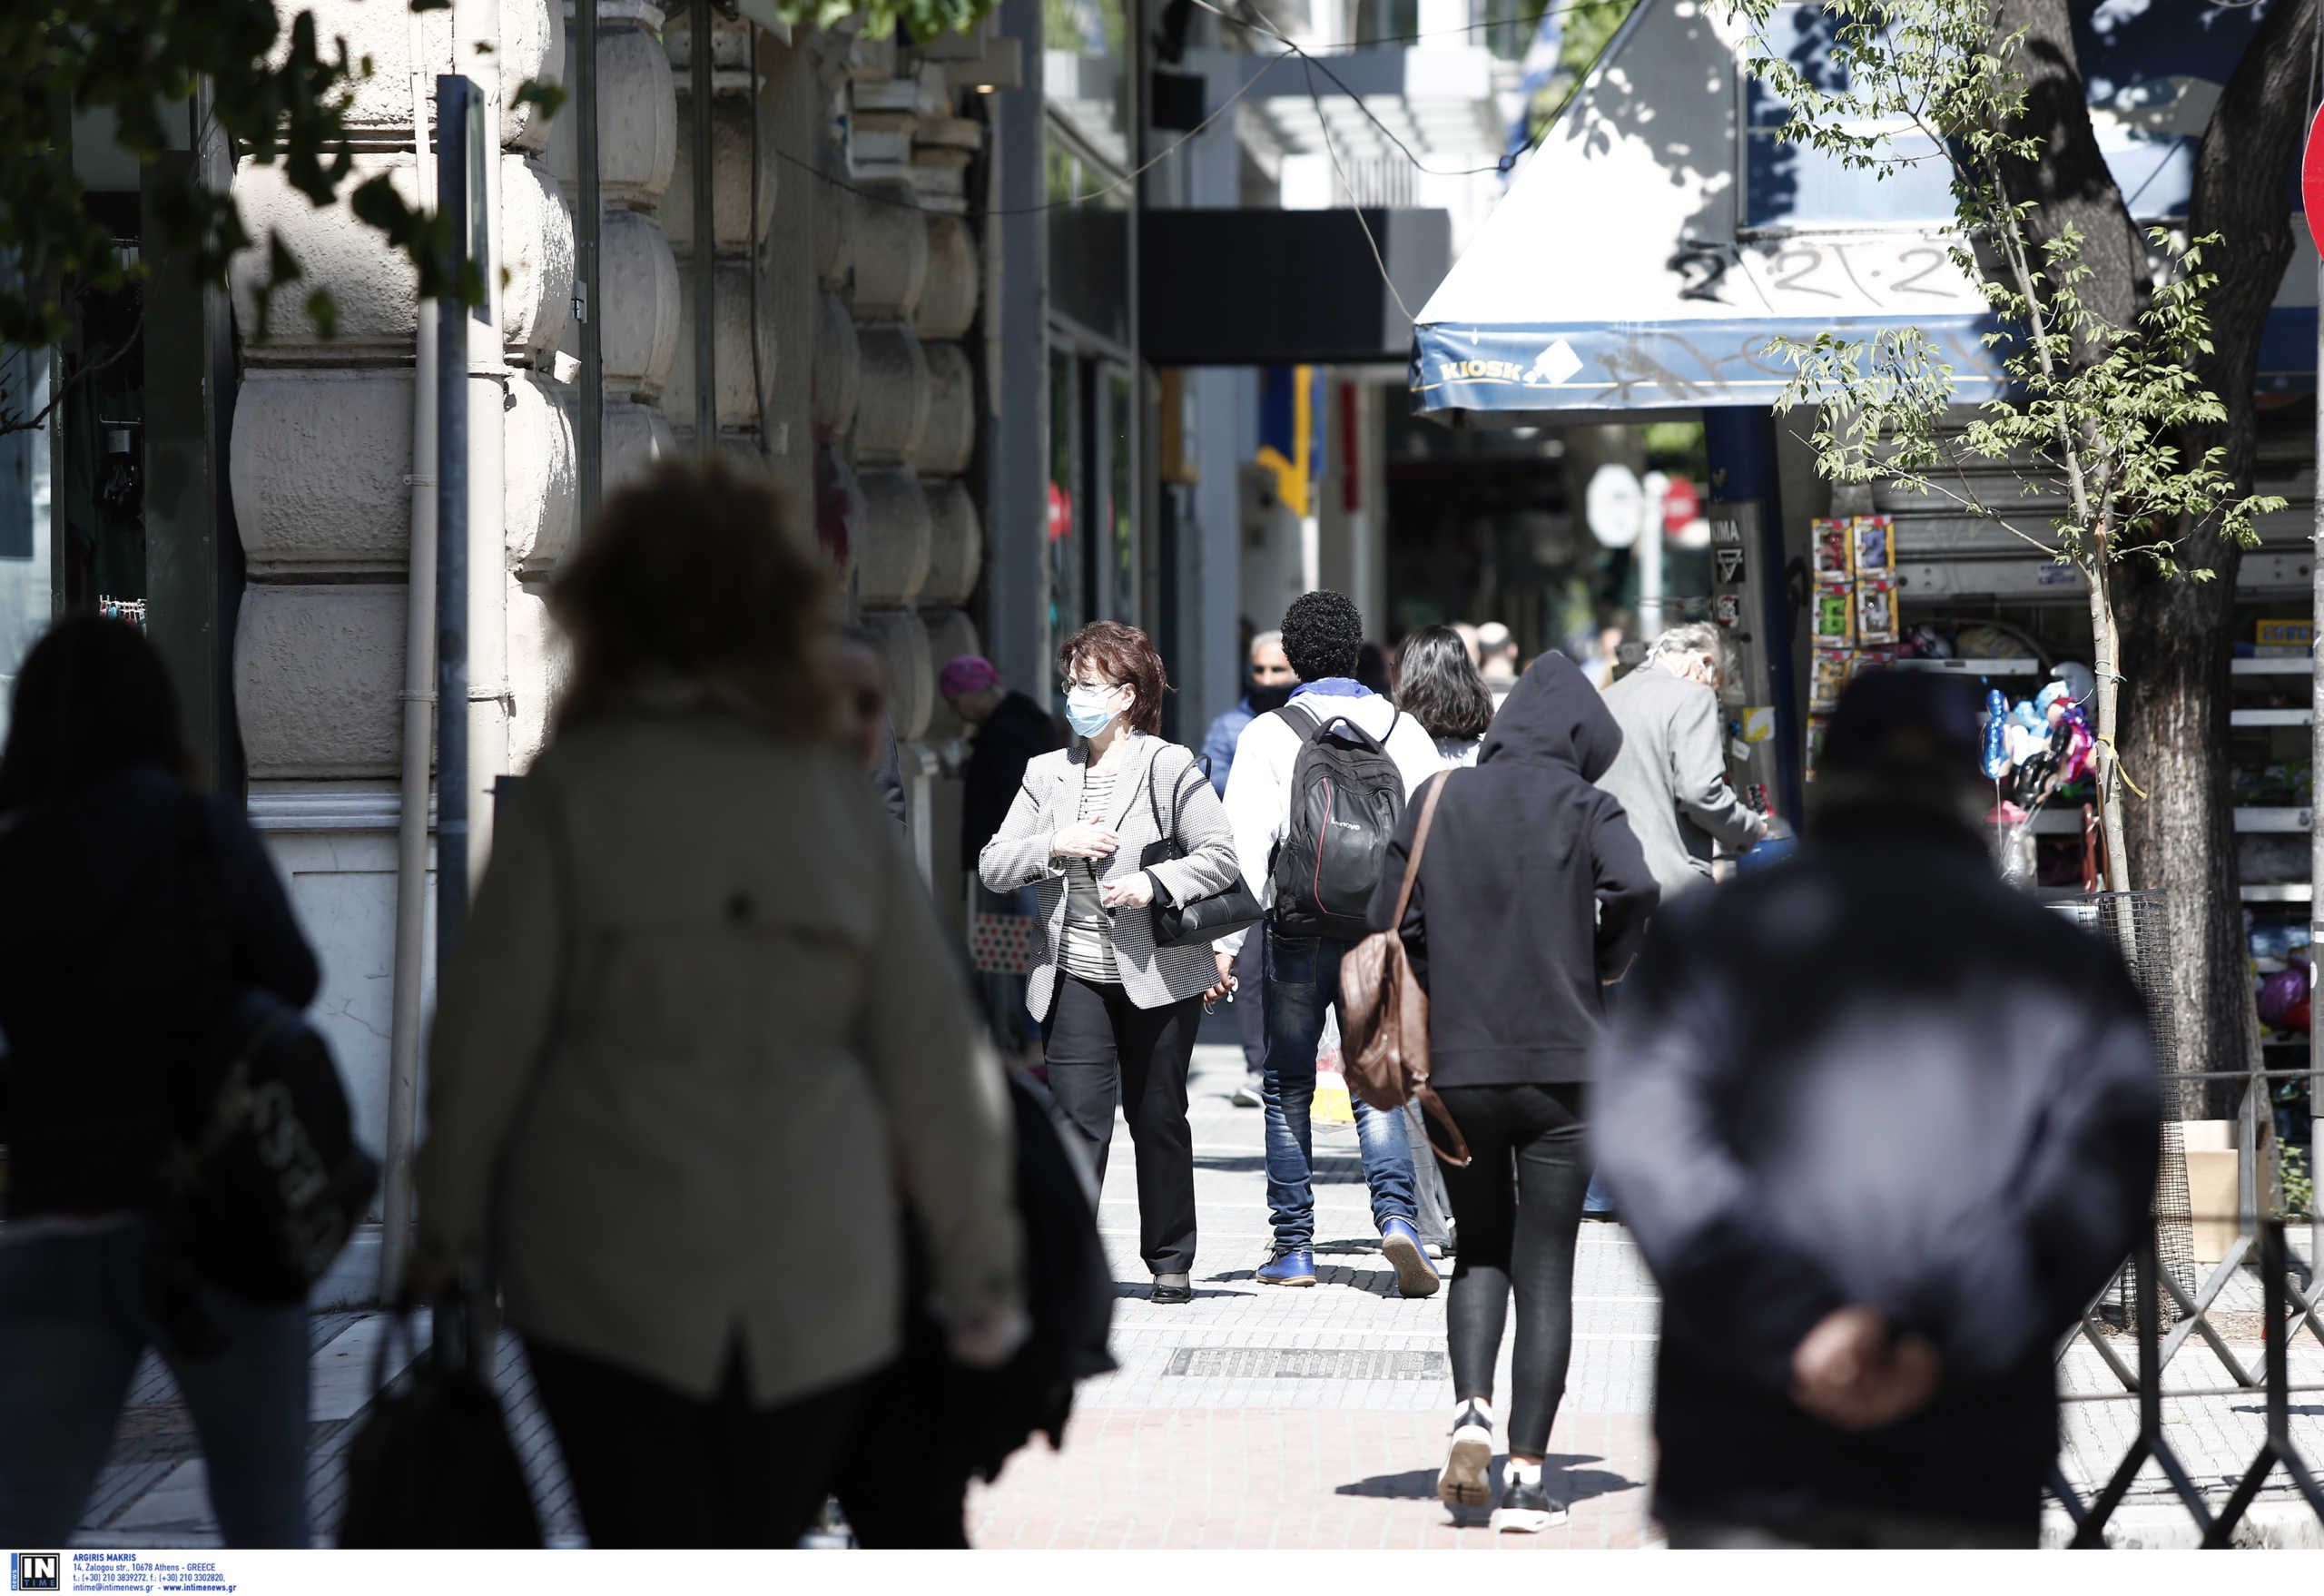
(1316, 793)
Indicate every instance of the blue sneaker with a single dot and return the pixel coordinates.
(1400, 1243)
(1295, 1266)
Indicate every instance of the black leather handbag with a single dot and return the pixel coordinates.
(1203, 919)
(433, 1465)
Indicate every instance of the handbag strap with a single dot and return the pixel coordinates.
(1177, 803)
(1419, 846)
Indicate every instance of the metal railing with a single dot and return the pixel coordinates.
(2264, 1246)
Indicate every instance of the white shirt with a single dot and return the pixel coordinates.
(1258, 785)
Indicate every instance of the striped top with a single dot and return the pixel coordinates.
(1088, 949)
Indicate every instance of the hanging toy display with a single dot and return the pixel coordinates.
(2033, 750)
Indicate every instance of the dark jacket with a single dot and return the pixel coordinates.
(1018, 732)
(1875, 1074)
(1539, 888)
(101, 987)
(888, 781)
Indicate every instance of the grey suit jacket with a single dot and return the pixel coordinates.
(1050, 800)
(1672, 776)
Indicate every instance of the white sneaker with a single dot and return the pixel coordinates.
(1527, 1505)
(1467, 1479)
(1247, 1096)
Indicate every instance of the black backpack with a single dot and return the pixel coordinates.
(1346, 797)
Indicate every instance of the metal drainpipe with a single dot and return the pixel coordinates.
(419, 697)
(452, 96)
(705, 235)
(587, 231)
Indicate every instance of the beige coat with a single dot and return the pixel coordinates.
(701, 1027)
(1050, 800)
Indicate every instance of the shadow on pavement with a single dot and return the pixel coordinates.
(1420, 1484)
(1125, 1290)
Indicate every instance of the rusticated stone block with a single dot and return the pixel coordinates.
(891, 562)
(950, 439)
(912, 678)
(643, 299)
(948, 304)
(956, 544)
(317, 671)
(891, 406)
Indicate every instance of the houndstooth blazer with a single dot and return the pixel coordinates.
(1050, 800)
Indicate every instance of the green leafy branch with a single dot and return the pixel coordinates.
(2092, 414)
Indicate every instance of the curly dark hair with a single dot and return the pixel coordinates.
(1126, 657)
(699, 570)
(1438, 687)
(1322, 634)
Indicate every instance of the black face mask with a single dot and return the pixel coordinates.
(1265, 699)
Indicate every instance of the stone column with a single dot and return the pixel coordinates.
(320, 465)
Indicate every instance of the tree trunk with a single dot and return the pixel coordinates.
(2071, 183)
(2178, 636)
(2106, 654)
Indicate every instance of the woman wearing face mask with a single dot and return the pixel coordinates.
(1118, 1015)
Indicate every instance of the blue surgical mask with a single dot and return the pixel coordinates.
(1088, 710)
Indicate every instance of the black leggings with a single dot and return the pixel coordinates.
(1519, 1207)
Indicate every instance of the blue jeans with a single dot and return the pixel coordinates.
(72, 1325)
(1302, 980)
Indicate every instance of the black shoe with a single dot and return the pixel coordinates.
(1527, 1506)
(1171, 1288)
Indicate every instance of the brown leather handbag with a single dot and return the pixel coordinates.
(1383, 1012)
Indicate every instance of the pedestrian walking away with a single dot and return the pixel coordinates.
(1671, 776)
(1882, 1125)
(1438, 685)
(1118, 1014)
(1267, 685)
(103, 1003)
(1529, 892)
(1316, 790)
(701, 1029)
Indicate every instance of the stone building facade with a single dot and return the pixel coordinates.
(847, 273)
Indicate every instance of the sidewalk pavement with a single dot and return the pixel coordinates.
(1260, 1417)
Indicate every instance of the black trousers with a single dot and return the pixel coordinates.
(1519, 1207)
(1103, 1049)
(654, 1467)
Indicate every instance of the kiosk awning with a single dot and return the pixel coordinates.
(1648, 251)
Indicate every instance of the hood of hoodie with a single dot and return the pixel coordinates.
(1554, 715)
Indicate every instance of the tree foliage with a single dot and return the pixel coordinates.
(2093, 411)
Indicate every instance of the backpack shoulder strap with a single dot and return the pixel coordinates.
(1419, 846)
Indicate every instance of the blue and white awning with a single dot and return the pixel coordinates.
(1648, 252)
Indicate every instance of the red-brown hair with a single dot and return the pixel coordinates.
(1127, 657)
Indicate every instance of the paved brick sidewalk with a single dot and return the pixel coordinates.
(1210, 1435)
(1257, 1416)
